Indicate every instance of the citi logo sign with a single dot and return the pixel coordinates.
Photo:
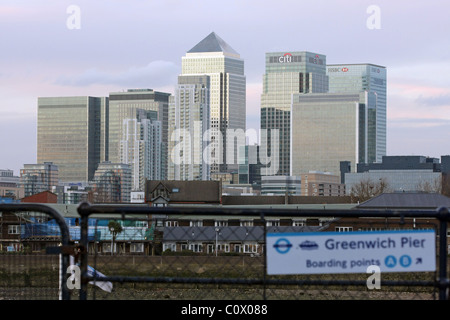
(286, 58)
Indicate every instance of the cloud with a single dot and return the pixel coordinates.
(419, 123)
(160, 73)
(435, 101)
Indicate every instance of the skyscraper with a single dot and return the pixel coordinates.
(141, 148)
(112, 183)
(215, 58)
(72, 133)
(36, 178)
(288, 73)
(189, 122)
(347, 78)
(327, 128)
(124, 105)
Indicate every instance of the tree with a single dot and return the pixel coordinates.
(115, 228)
(366, 189)
(434, 186)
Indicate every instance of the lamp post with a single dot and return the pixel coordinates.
(217, 236)
(112, 239)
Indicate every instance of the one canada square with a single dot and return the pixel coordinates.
(216, 59)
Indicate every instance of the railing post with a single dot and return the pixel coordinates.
(443, 281)
(84, 248)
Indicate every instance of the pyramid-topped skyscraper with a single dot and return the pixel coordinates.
(214, 58)
(213, 43)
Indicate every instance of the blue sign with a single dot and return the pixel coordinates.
(351, 252)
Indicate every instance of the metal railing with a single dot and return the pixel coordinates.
(209, 276)
(35, 284)
(156, 257)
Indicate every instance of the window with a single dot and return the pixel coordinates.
(171, 223)
(273, 223)
(343, 229)
(169, 246)
(250, 248)
(220, 223)
(137, 247)
(196, 223)
(196, 247)
(14, 229)
(298, 223)
(107, 247)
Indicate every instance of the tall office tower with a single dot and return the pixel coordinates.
(141, 148)
(288, 73)
(327, 128)
(36, 178)
(214, 57)
(189, 122)
(72, 132)
(112, 183)
(123, 105)
(347, 78)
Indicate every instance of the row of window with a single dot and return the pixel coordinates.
(210, 248)
(244, 223)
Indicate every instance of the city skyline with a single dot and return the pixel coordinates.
(44, 55)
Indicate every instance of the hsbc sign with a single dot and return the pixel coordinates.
(344, 69)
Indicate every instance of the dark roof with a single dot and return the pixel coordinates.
(406, 200)
(196, 191)
(229, 233)
(212, 43)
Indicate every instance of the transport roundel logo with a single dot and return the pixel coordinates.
(282, 245)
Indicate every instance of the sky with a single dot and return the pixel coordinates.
(52, 48)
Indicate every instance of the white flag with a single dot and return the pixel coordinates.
(104, 285)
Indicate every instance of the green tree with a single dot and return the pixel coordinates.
(115, 228)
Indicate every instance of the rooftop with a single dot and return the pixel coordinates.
(213, 43)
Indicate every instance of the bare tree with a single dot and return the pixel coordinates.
(366, 189)
(434, 186)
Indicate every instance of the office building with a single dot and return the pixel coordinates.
(72, 133)
(215, 58)
(349, 78)
(142, 148)
(288, 73)
(112, 183)
(37, 178)
(327, 128)
(403, 173)
(189, 124)
(124, 105)
(315, 183)
(249, 167)
(10, 185)
(281, 185)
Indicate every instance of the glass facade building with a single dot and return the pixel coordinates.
(72, 132)
(189, 122)
(347, 78)
(281, 185)
(288, 73)
(36, 178)
(141, 148)
(112, 183)
(227, 95)
(327, 128)
(124, 105)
